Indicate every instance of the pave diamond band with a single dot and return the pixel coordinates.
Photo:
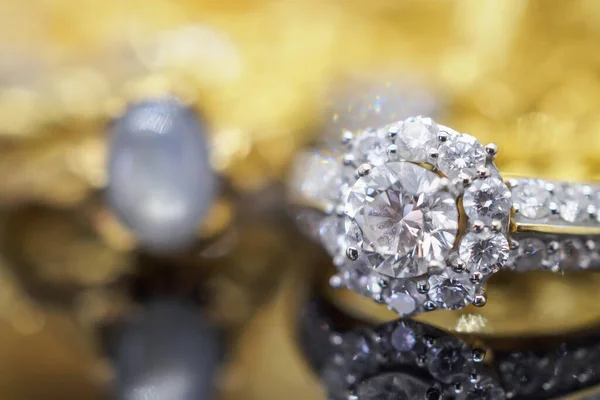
(417, 216)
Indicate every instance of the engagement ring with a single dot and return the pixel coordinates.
(417, 216)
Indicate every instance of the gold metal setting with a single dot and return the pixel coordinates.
(580, 230)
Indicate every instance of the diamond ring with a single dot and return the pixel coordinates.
(417, 216)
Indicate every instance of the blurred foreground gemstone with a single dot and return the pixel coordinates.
(166, 352)
(160, 180)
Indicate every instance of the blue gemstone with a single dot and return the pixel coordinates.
(161, 183)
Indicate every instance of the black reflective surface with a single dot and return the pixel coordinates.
(167, 350)
(405, 359)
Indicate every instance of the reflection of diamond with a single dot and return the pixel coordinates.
(487, 200)
(554, 257)
(392, 386)
(533, 199)
(370, 147)
(529, 254)
(582, 364)
(405, 222)
(575, 255)
(447, 359)
(450, 290)
(484, 251)
(523, 373)
(461, 154)
(403, 338)
(486, 389)
(415, 138)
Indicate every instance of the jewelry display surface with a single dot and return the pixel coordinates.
(264, 79)
(409, 359)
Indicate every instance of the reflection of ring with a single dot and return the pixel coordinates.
(417, 216)
(405, 359)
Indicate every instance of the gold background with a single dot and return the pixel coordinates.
(524, 74)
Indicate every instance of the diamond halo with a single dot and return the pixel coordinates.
(403, 211)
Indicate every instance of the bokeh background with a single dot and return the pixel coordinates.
(268, 77)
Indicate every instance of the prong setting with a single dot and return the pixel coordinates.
(352, 253)
(476, 277)
(478, 226)
(478, 355)
(433, 155)
(496, 226)
(392, 150)
(393, 131)
(348, 160)
(347, 137)
(483, 172)
(480, 300)
(422, 286)
(429, 306)
(491, 150)
(364, 170)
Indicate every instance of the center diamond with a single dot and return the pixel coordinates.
(401, 219)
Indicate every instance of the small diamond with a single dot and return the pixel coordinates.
(532, 198)
(487, 388)
(574, 203)
(355, 276)
(523, 373)
(403, 338)
(554, 258)
(581, 365)
(576, 256)
(461, 154)
(529, 254)
(447, 359)
(484, 251)
(402, 303)
(450, 290)
(331, 233)
(316, 177)
(416, 137)
(370, 147)
(487, 200)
